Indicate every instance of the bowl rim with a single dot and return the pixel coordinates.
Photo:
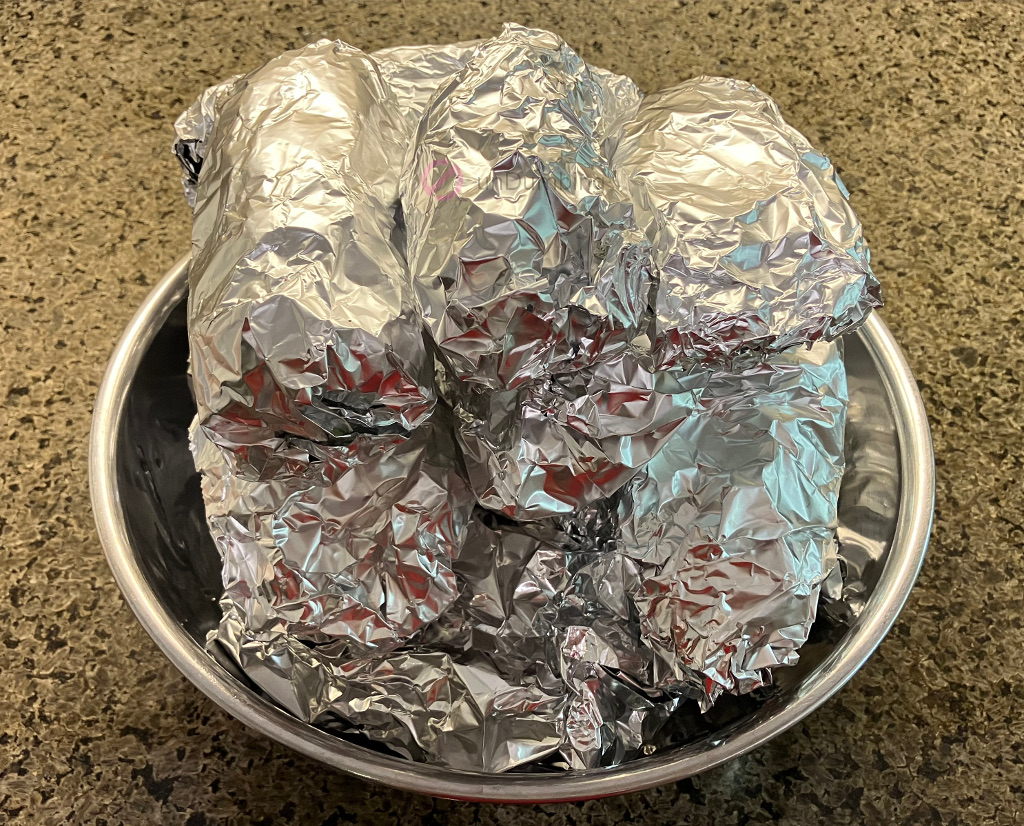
(910, 541)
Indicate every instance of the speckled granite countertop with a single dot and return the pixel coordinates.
(920, 106)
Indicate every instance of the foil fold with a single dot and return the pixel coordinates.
(554, 446)
(192, 132)
(415, 73)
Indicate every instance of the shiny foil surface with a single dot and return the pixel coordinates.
(348, 544)
(553, 446)
(512, 440)
(734, 523)
(757, 246)
(573, 642)
(301, 309)
(525, 253)
(414, 73)
(192, 132)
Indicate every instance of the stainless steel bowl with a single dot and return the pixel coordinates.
(146, 498)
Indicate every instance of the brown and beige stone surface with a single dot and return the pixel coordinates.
(920, 106)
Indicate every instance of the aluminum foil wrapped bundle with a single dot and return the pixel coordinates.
(334, 496)
(575, 641)
(531, 267)
(525, 252)
(479, 691)
(756, 244)
(426, 705)
(734, 523)
(350, 544)
(301, 310)
(553, 446)
(658, 515)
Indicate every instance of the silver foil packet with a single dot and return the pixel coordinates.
(734, 523)
(530, 267)
(349, 544)
(427, 705)
(301, 310)
(574, 641)
(756, 244)
(525, 252)
(480, 691)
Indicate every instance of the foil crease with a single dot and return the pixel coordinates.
(756, 244)
(515, 505)
(415, 73)
(553, 446)
(525, 252)
(301, 309)
(734, 523)
(192, 132)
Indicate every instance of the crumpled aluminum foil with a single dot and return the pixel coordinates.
(301, 310)
(551, 603)
(422, 704)
(654, 538)
(734, 523)
(334, 495)
(192, 132)
(756, 244)
(530, 269)
(553, 446)
(349, 544)
(480, 694)
(525, 252)
(415, 73)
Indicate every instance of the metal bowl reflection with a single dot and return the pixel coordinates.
(149, 512)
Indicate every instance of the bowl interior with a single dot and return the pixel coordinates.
(159, 500)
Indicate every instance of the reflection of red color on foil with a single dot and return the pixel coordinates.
(449, 170)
